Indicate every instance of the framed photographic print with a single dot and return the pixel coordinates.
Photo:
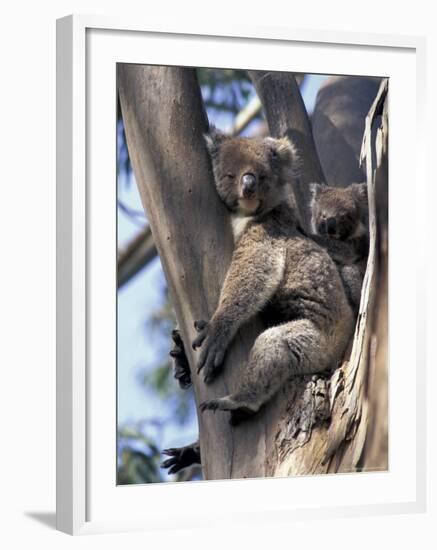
(232, 293)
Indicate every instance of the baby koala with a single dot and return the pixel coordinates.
(340, 223)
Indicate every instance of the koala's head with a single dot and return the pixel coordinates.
(340, 213)
(251, 173)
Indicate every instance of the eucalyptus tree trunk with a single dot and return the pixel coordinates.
(302, 430)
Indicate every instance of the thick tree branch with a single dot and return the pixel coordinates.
(246, 115)
(137, 253)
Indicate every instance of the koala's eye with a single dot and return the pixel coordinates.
(230, 177)
(262, 177)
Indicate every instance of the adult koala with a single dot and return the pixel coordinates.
(276, 271)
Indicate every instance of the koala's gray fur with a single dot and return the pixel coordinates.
(277, 271)
(340, 223)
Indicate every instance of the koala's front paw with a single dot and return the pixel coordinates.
(202, 328)
(181, 458)
(214, 344)
(181, 367)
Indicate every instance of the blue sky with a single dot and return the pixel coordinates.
(138, 350)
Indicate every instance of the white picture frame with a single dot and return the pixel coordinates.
(79, 231)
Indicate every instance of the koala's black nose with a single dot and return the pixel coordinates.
(248, 184)
(331, 226)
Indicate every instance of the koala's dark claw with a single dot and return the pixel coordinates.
(172, 465)
(202, 328)
(197, 342)
(211, 405)
(239, 411)
(170, 452)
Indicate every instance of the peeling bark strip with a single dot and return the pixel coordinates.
(314, 424)
(308, 410)
(359, 436)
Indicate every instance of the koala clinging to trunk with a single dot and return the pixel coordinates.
(340, 223)
(276, 271)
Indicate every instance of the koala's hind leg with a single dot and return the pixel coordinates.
(294, 348)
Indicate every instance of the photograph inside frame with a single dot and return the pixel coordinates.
(252, 274)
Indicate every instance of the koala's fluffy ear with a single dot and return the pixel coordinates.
(316, 189)
(359, 191)
(284, 149)
(213, 139)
